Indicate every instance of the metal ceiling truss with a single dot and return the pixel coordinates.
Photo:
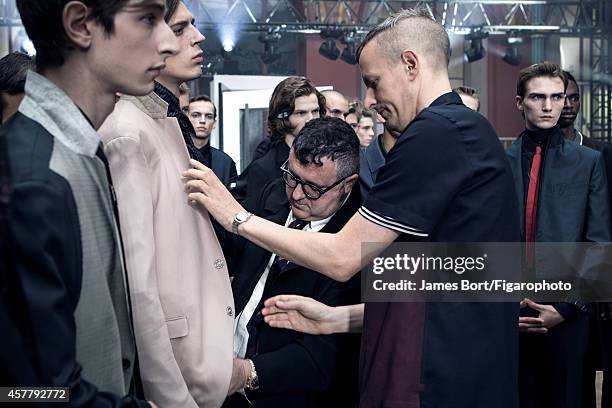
(495, 16)
(600, 83)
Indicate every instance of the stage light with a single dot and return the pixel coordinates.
(349, 54)
(476, 51)
(512, 56)
(270, 40)
(228, 45)
(23, 44)
(328, 49)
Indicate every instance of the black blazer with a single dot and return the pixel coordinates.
(294, 368)
(223, 166)
(606, 151)
(260, 172)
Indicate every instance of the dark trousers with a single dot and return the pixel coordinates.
(551, 365)
(599, 357)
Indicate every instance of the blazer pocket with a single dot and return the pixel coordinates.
(177, 327)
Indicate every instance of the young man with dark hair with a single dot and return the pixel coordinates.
(373, 158)
(65, 236)
(365, 128)
(13, 70)
(181, 296)
(553, 339)
(317, 192)
(294, 102)
(445, 169)
(203, 116)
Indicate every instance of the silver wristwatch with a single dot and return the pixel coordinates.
(239, 218)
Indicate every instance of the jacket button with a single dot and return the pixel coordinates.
(219, 264)
(126, 363)
(229, 311)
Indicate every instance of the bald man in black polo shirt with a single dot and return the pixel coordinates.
(445, 180)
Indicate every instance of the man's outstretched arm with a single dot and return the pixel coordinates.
(338, 256)
(306, 315)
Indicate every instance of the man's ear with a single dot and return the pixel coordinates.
(350, 182)
(77, 24)
(519, 103)
(410, 62)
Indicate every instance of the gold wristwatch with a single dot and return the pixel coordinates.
(252, 383)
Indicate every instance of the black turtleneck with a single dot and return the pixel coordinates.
(531, 139)
(174, 111)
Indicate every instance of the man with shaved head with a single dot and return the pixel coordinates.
(336, 104)
(445, 180)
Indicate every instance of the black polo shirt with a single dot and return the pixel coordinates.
(447, 179)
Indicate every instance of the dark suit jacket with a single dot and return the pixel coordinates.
(606, 151)
(573, 197)
(294, 368)
(223, 166)
(260, 172)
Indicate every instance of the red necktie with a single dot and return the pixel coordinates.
(531, 207)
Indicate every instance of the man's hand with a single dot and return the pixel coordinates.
(240, 373)
(204, 188)
(548, 317)
(301, 314)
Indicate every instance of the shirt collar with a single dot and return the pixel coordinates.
(579, 138)
(449, 98)
(318, 225)
(49, 106)
(174, 107)
(314, 226)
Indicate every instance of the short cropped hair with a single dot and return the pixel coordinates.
(282, 104)
(204, 98)
(424, 32)
(43, 23)
(13, 71)
(468, 91)
(543, 69)
(330, 138)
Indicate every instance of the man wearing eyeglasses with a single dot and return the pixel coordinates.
(280, 368)
(203, 116)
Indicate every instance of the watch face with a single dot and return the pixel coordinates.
(241, 216)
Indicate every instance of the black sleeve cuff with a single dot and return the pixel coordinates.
(567, 310)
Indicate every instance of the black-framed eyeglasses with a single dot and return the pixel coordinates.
(310, 190)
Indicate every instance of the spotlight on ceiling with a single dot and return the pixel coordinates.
(477, 50)
(349, 54)
(270, 40)
(512, 56)
(228, 45)
(328, 47)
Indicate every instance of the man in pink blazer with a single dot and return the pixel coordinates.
(179, 286)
